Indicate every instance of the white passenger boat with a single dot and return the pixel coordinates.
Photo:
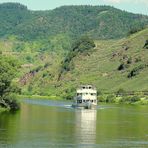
(86, 97)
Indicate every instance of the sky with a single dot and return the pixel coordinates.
(135, 6)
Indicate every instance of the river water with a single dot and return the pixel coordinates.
(54, 124)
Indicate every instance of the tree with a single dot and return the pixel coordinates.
(82, 45)
(121, 92)
(7, 89)
(146, 44)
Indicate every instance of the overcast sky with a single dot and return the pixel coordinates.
(136, 6)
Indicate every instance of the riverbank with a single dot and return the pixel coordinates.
(124, 99)
(40, 97)
(137, 100)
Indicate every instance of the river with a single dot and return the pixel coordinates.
(54, 124)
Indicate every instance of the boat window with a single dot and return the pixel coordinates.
(78, 94)
(83, 100)
(83, 87)
(79, 101)
(90, 87)
(92, 101)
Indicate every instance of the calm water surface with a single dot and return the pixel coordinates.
(51, 124)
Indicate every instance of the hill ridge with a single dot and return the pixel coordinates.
(72, 20)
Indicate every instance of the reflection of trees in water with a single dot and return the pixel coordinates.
(86, 126)
(8, 132)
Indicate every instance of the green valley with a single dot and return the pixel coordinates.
(112, 57)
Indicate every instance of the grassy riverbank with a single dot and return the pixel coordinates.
(40, 97)
(124, 99)
(141, 100)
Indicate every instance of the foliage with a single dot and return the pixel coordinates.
(7, 90)
(135, 71)
(83, 44)
(130, 99)
(80, 46)
(122, 66)
(110, 98)
(19, 47)
(37, 69)
(146, 44)
(120, 92)
(136, 29)
(97, 21)
(69, 93)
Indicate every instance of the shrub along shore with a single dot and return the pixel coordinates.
(125, 99)
(104, 98)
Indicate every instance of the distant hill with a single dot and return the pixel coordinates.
(99, 22)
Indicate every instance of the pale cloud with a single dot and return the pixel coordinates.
(127, 1)
(113, 1)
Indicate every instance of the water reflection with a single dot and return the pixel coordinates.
(86, 127)
(53, 126)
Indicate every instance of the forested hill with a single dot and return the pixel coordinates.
(100, 22)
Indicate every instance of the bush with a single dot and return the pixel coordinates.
(122, 66)
(10, 102)
(101, 98)
(8, 69)
(69, 93)
(111, 98)
(19, 47)
(129, 61)
(45, 74)
(82, 45)
(146, 44)
(47, 64)
(29, 59)
(130, 99)
(134, 99)
(136, 29)
(138, 59)
(120, 92)
(135, 71)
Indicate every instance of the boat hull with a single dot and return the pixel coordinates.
(85, 106)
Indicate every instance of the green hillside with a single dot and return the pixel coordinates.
(100, 22)
(110, 66)
(102, 66)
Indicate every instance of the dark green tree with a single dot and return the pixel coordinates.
(82, 45)
(8, 90)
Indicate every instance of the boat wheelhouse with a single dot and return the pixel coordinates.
(86, 97)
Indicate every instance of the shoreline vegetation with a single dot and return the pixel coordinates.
(104, 98)
(138, 99)
(8, 89)
(3, 109)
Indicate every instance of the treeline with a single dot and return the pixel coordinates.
(122, 96)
